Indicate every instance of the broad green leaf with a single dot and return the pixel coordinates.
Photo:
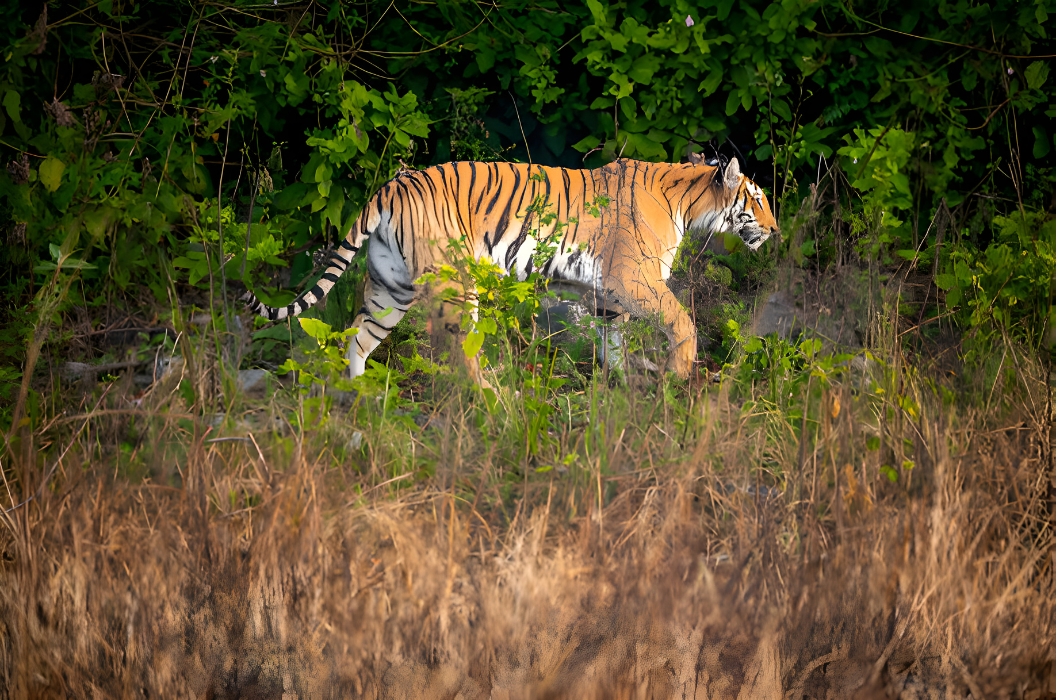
(290, 196)
(945, 281)
(587, 143)
(644, 68)
(732, 103)
(724, 7)
(1037, 73)
(473, 343)
(13, 104)
(51, 173)
(1042, 142)
(315, 328)
(96, 221)
(335, 208)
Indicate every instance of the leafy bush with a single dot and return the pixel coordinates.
(1011, 285)
(185, 146)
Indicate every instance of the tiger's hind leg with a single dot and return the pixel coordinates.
(443, 327)
(380, 313)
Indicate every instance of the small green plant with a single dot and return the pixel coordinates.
(267, 241)
(325, 363)
(1011, 284)
(876, 161)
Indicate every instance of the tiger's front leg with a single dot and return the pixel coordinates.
(656, 298)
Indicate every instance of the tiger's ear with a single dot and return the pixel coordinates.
(732, 174)
(697, 159)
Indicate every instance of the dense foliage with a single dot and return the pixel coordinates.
(151, 145)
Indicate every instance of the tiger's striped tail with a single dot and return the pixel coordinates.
(338, 261)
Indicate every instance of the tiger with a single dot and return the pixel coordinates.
(624, 224)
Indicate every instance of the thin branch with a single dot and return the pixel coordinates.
(980, 49)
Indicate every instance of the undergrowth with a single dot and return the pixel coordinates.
(803, 518)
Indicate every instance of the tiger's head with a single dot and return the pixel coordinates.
(739, 206)
(749, 216)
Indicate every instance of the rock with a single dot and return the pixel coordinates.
(341, 399)
(253, 381)
(563, 320)
(355, 441)
(778, 316)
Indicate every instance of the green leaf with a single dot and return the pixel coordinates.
(278, 332)
(953, 298)
(51, 173)
(75, 264)
(644, 68)
(586, 143)
(186, 391)
(724, 7)
(1042, 142)
(335, 208)
(290, 196)
(96, 221)
(709, 85)
(890, 472)
(12, 103)
(315, 328)
(487, 325)
(945, 281)
(473, 343)
(732, 103)
(1036, 74)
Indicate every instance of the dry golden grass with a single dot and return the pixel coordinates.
(685, 569)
